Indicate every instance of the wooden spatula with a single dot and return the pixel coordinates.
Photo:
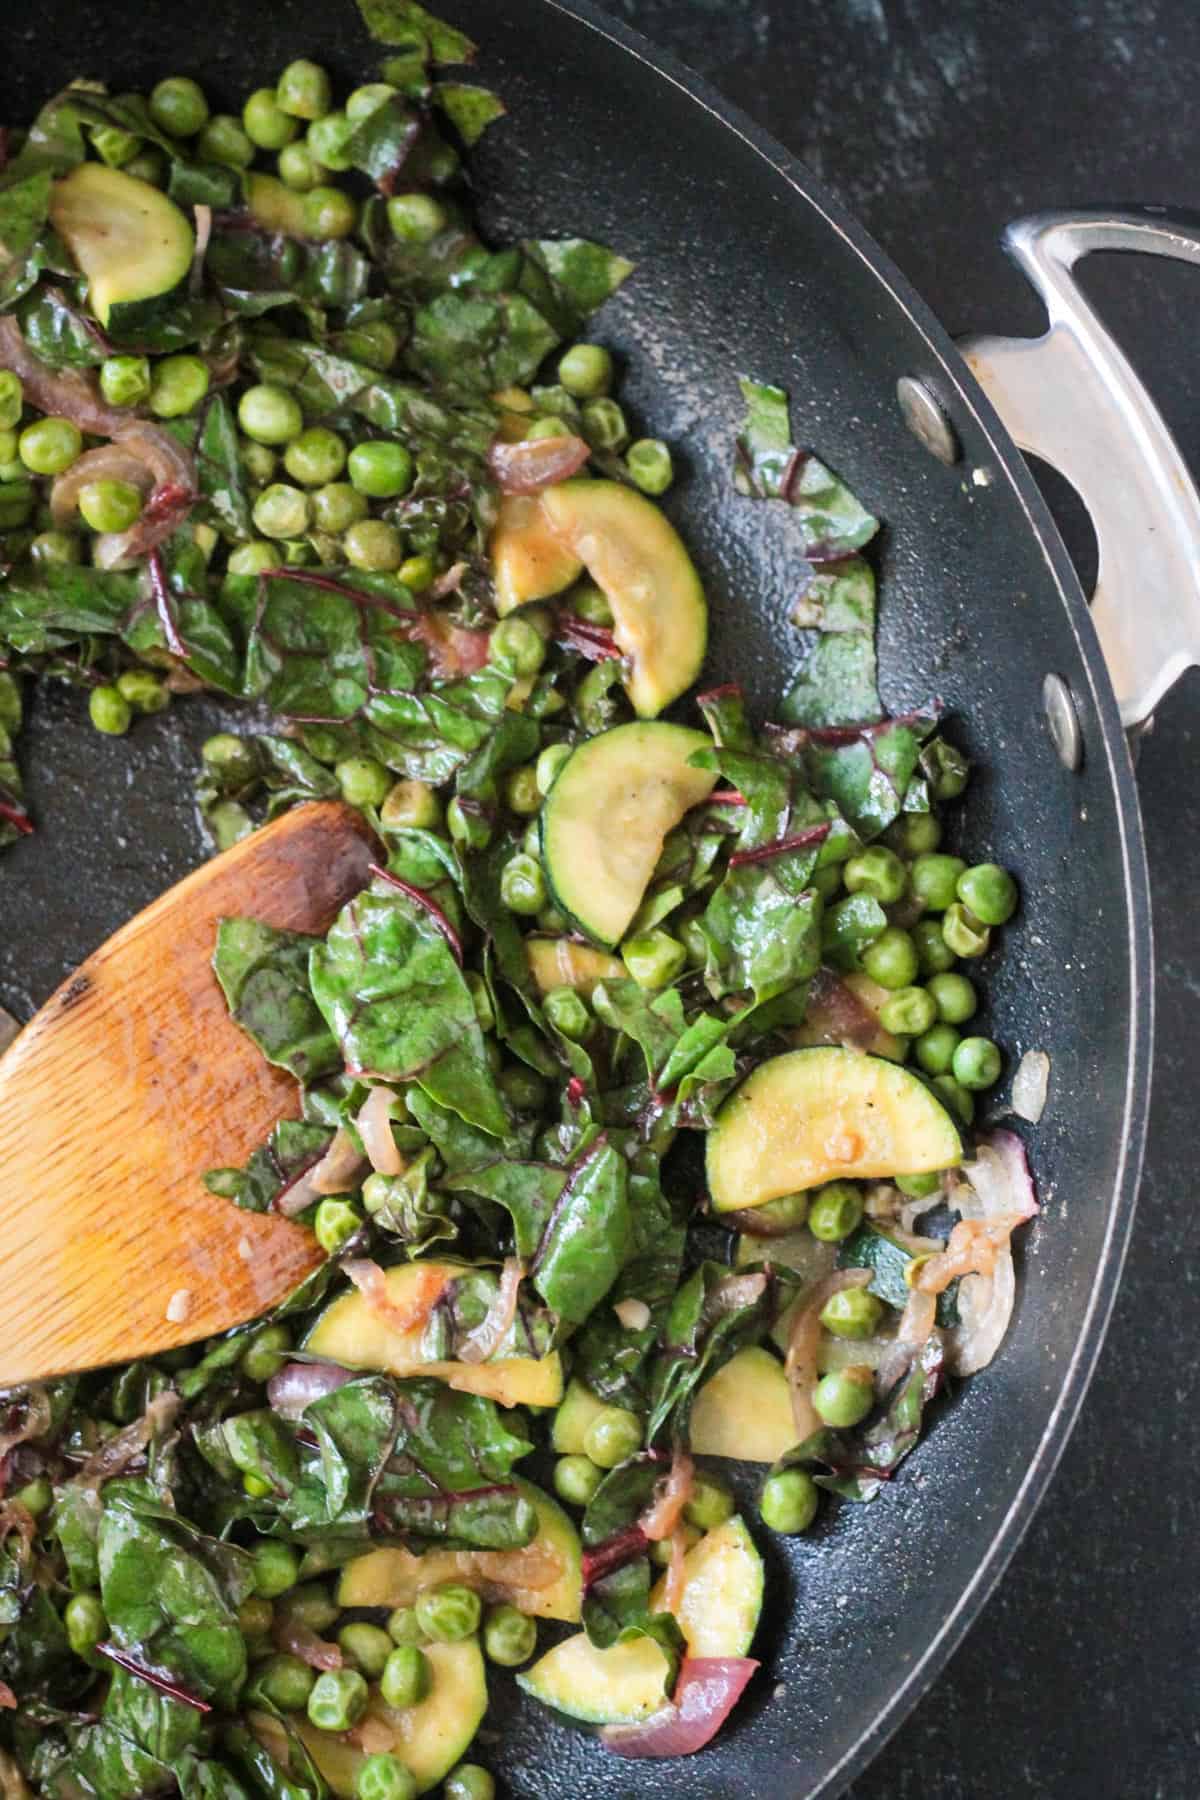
(129, 1083)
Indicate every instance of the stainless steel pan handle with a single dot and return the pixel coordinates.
(1073, 398)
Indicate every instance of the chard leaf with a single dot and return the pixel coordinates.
(768, 466)
(856, 1463)
(392, 992)
(400, 22)
(837, 684)
(616, 1568)
(582, 276)
(14, 819)
(866, 770)
(380, 142)
(263, 974)
(469, 109)
(58, 331)
(712, 1315)
(24, 209)
(219, 469)
(611, 1359)
(293, 1145)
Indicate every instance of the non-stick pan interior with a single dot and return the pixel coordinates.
(737, 271)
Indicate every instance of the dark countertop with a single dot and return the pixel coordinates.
(937, 122)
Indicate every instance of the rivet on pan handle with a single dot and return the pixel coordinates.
(1072, 398)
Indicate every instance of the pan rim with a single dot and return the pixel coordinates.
(1110, 741)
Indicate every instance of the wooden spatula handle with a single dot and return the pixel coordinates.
(129, 1083)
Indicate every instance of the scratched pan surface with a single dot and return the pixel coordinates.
(744, 263)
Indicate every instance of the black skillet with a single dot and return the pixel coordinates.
(745, 264)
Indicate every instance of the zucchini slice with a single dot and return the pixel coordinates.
(632, 551)
(722, 1598)
(744, 1410)
(820, 1115)
(560, 962)
(351, 1333)
(543, 1579)
(603, 825)
(529, 561)
(133, 244)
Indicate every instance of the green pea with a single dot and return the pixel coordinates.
(947, 769)
(297, 168)
(516, 647)
(113, 145)
(285, 1681)
(691, 936)
(852, 1313)
(827, 880)
(914, 834)
(835, 1211)
(266, 1352)
(380, 469)
(959, 1099)
(416, 572)
(402, 1626)
(468, 823)
(908, 1012)
(36, 1496)
(178, 106)
(604, 425)
(367, 1646)
(310, 1606)
(9, 456)
(337, 1219)
(613, 1435)
(469, 1782)
(363, 781)
(660, 1552)
(223, 141)
(787, 1211)
(265, 122)
(567, 1012)
(326, 139)
(256, 1616)
(934, 955)
(935, 1048)
(49, 446)
(269, 414)
(589, 602)
(522, 1087)
(989, 892)
(281, 511)
(304, 90)
(259, 461)
(789, 1501)
(12, 399)
(549, 763)
(276, 1568)
(229, 823)
(177, 384)
(509, 1637)
(649, 464)
(337, 506)
(877, 871)
(373, 545)
(964, 933)
(315, 458)
(654, 959)
(522, 885)
(710, 1504)
(368, 98)
(844, 1397)
(548, 427)
(145, 691)
(58, 547)
(338, 1700)
(576, 1479)
(85, 1623)
(976, 1063)
(411, 805)
(586, 371)
(415, 218)
(891, 959)
(448, 1613)
(109, 711)
(109, 505)
(954, 997)
(521, 792)
(329, 212)
(149, 165)
(918, 1187)
(934, 878)
(125, 380)
(384, 1777)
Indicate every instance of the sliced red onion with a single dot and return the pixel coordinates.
(120, 1451)
(374, 1123)
(65, 393)
(109, 462)
(35, 1416)
(371, 1283)
(708, 1689)
(298, 1384)
(489, 1334)
(804, 1342)
(449, 582)
(8, 1699)
(453, 649)
(998, 1186)
(295, 1639)
(670, 1497)
(836, 1015)
(203, 217)
(732, 1293)
(532, 464)
(1031, 1084)
(338, 1169)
